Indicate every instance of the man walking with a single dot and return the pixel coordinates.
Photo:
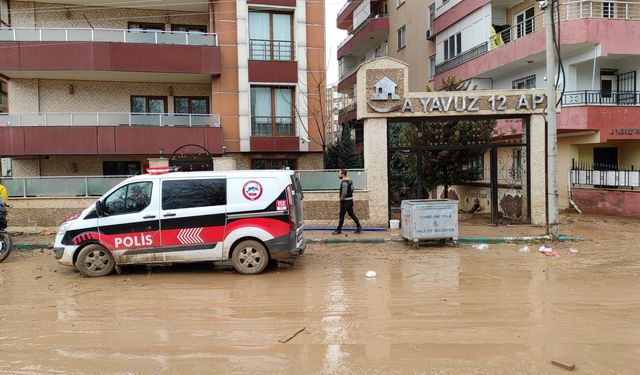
(346, 202)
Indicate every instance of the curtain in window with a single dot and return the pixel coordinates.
(282, 49)
(259, 36)
(261, 110)
(284, 115)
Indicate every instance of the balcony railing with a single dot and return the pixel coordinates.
(595, 97)
(609, 176)
(16, 34)
(75, 186)
(462, 58)
(269, 126)
(271, 50)
(107, 119)
(360, 27)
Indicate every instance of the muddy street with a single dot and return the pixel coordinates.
(432, 310)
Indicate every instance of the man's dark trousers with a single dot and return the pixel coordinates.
(346, 206)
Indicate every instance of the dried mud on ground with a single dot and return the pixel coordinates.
(432, 310)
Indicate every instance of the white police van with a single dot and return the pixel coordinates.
(249, 217)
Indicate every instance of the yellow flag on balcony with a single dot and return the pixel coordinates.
(496, 39)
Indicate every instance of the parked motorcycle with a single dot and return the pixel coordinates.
(5, 239)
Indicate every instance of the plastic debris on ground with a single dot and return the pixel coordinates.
(573, 251)
(482, 246)
(547, 251)
(370, 274)
(524, 249)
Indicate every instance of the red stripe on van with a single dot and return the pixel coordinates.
(276, 228)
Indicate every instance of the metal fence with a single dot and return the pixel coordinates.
(19, 34)
(462, 58)
(597, 97)
(586, 174)
(107, 119)
(60, 186)
(94, 186)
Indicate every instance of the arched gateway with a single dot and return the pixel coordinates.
(414, 140)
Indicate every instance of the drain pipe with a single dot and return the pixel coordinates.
(571, 202)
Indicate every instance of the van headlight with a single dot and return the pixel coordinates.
(64, 227)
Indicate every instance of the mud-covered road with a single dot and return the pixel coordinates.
(442, 310)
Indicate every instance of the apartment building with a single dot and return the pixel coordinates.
(94, 89)
(501, 45)
(395, 28)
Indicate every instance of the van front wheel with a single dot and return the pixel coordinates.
(250, 257)
(94, 260)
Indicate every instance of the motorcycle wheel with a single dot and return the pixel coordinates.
(5, 245)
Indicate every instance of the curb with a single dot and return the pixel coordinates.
(31, 246)
(461, 240)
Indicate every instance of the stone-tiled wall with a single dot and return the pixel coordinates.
(32, 14)
(32, 95)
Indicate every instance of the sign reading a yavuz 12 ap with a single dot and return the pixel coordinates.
(385, 95)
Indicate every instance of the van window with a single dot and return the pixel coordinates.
(129, 199)
(191, 193)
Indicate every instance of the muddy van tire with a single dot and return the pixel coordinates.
(94, 261)
(250, 257)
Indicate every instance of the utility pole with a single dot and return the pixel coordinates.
(553, 218)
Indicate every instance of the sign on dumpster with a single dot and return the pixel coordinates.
(429, 219)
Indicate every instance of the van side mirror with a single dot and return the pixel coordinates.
(99, 208)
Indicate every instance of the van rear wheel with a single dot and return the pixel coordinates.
(94, 261)
(250, 257)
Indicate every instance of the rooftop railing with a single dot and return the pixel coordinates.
(107, 119)
(18, 34)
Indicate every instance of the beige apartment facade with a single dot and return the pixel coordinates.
(98, 90)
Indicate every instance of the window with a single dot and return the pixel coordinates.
(608, 10)
(272, 111)
(120, 168)
(5, 17)
(270, 36)
(4, 97)
(178, 194)
(189, 28)
(129, 199)
(402, 37)
(524, 23)
(432, 67)
(476, 166)
(149, 104)
(273, 164)
(524, 83)
(606, 88)
(146, 26)
(452, 46)
(196, 105)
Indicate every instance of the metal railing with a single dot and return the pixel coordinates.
(598, 97)
(462, 58)
(60, 186)
(270, 126)
(626, 179)
(360, 27)
(327, 179)
(271, 50)
(107, 119)
(19, 34)
(618, 10)
(95, 186)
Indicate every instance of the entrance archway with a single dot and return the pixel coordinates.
(192, 158)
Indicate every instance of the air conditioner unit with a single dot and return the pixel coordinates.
(429, 34)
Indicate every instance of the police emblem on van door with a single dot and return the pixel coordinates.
(252, 190)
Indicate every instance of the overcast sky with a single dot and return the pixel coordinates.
(334, 37)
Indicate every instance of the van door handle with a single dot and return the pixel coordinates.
(149, 217)
(171, 214)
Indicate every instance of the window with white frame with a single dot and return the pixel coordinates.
(402, 37)
(452, 46)
(528, 82)
(524, 22)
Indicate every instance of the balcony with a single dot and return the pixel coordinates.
(462, 58)
(348, 113)
(109, 54)
(105, 133)
(369, 34)
(272, 61)
(584, 23)
(595, 97)
(345, 14)
(272, 134)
